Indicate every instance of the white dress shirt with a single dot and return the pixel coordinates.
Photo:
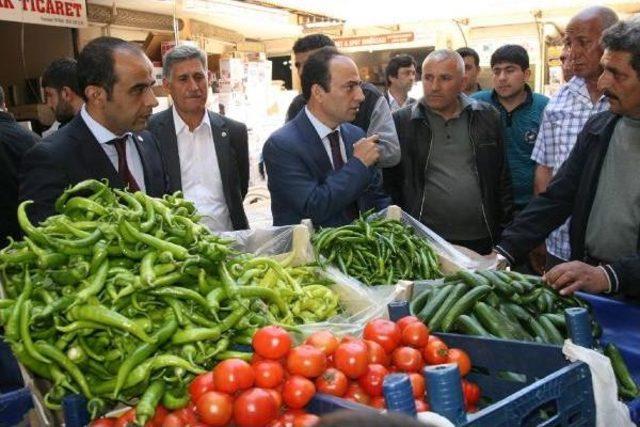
(323, 132)
(104, 135)
(200, 173)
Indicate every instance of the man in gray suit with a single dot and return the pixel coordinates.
(206, 154)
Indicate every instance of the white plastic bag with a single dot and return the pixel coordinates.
(609, 410)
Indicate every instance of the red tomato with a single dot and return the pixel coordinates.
(377, 354)
(378, 402)
(332, 381)
(187, 414)
(433, 338)
(325, 341)
(268, 373)
(415, 335)
(461, 358)
(307, 361)
(158, 418)
(436, 353)
(277, 396)
(305, 420)
(103, 422)
(421, 405)
(125, 419)
(417, 384)
(172, 420)
(200, 385)
(371, 381)
(405, 321)
(351, 358)
(215, 408)
(384, 332)
(297, 391)
(407, 359)
(254, 407)
(232, 375)
(271, 342)
(471, 392)
(357, 394)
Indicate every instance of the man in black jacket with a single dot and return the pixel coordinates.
(102, 142)
(206, 154)
(598, 186)
(453, 175)
(14, 142)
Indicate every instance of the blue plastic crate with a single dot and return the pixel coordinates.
(547, 390)
(323, 403)
(15, 399)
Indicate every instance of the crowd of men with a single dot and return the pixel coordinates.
(496, 171)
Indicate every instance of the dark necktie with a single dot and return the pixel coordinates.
(351, 212)
(336, 155)
(123, 168)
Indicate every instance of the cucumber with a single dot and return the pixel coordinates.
(419, 301)
(519, 331)
(517, 311)
(469, 325)
(541, 303)
(498, 284)
(536, 280)
(472, 279)
(620, 369)
(464, 305)
(491, 320)
(518, 287)
(558, 320)
(528, 287)
(516, 276)
(452, 297)
(554, 335)
(493, 300)
(532, 297)
(537, 330)
(436, 298)
(502, 276)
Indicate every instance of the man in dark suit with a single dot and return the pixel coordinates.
(319, 165)
(115, 79)
(206, 154)
(14, 142)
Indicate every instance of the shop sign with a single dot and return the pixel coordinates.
(373, 40)
(59, 13)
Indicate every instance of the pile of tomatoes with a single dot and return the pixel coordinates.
(281, 379)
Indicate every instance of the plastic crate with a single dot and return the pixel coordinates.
(15, 399)
(548, 390)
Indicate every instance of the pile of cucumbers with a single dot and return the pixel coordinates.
(502, 304)
(507, 305)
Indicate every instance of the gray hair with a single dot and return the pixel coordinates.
(444, 55)
(605, 15)
(179, 54)
(625, 37)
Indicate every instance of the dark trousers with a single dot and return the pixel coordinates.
(552, 261)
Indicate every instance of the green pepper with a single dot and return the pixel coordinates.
(178, 252)
(174, 399)
(101, 314)
(146, 407)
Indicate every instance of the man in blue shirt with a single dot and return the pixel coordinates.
(521, 114)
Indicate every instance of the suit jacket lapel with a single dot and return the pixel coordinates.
(94, 159)
(346, 140)
(222, 144)
(314, 143)
(168, 141)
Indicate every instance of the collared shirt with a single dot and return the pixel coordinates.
(394, 105)
(104, 135)
(323, 132)
(562, 121)
(200, 172)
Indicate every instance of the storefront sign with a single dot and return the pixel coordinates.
(59, 13)
(373, 40)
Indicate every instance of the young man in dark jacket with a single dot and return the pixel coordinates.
(598, 186)
(453, 174)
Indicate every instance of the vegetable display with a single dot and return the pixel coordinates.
(507, 305)
(281, 379)
(377, 251)
(124, 296)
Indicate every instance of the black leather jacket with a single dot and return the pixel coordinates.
(571, 193)
(406, 182)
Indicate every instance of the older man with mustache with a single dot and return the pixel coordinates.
(570, 108)
(598, 186)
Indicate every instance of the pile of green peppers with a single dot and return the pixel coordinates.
(377, 251)
(120, 291)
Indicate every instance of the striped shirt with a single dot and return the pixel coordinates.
(562, 121)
